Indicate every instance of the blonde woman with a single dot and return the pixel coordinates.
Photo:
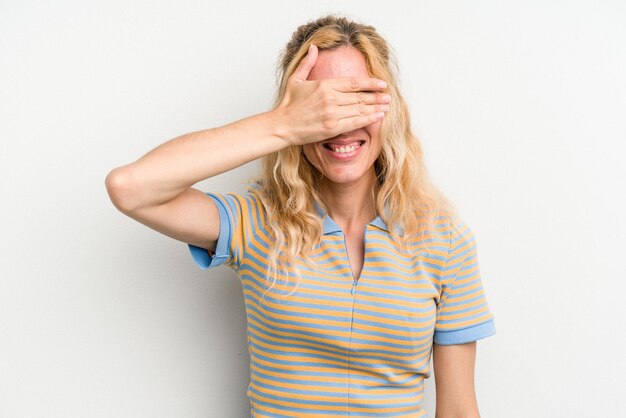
(354, 266)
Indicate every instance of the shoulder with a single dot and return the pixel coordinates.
(460, 241)
(247, 200)
(452, 227)
(450, 235)
(241, 205)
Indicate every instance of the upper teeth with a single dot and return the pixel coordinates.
(346, 149)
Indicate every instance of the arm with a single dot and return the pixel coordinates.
(454, 380)
(156, 189)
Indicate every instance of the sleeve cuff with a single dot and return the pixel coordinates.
(465, 335)
(201, 256)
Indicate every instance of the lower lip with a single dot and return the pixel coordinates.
(344, 156)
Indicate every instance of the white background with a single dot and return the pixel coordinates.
(520, 107)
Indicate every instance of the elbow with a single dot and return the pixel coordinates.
(120, 189)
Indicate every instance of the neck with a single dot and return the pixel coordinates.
(351, 205)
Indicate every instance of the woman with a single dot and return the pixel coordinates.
(354, 267)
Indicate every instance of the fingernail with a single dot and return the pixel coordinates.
(384, 108)
(386, 98)
(382, 84)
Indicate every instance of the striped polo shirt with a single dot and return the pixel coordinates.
(339, 347)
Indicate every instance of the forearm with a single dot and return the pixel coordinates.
(174, 166)
(310, 111)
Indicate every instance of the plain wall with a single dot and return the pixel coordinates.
(520, 107)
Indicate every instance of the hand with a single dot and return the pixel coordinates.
(322, 109)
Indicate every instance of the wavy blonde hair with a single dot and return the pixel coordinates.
(289, 183)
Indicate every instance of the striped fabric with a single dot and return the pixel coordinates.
(338, 347)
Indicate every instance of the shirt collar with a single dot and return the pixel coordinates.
(331, 226)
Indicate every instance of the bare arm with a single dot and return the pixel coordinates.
(156, 189)
(454, 380)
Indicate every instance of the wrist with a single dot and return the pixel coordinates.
(280, 126)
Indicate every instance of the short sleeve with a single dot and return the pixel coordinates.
(238, 215)
(463, 314)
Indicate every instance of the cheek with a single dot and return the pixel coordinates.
(310, 153)
(373, 131)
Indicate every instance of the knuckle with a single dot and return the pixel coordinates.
(354, 83)
(328, 124)
(328, 99)
(327, 114)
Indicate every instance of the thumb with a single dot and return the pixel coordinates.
(304, 68)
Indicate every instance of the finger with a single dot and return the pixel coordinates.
(360, 97)
(348, 84)
(356, 110)
(304, 68)
(356, 122)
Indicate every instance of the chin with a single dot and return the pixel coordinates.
(345, 177)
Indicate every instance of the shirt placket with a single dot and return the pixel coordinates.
(353, 292)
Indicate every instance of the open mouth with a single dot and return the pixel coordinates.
(344, 149)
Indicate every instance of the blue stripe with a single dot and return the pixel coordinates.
(406, 294)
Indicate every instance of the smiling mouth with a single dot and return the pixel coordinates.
(344, 149)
